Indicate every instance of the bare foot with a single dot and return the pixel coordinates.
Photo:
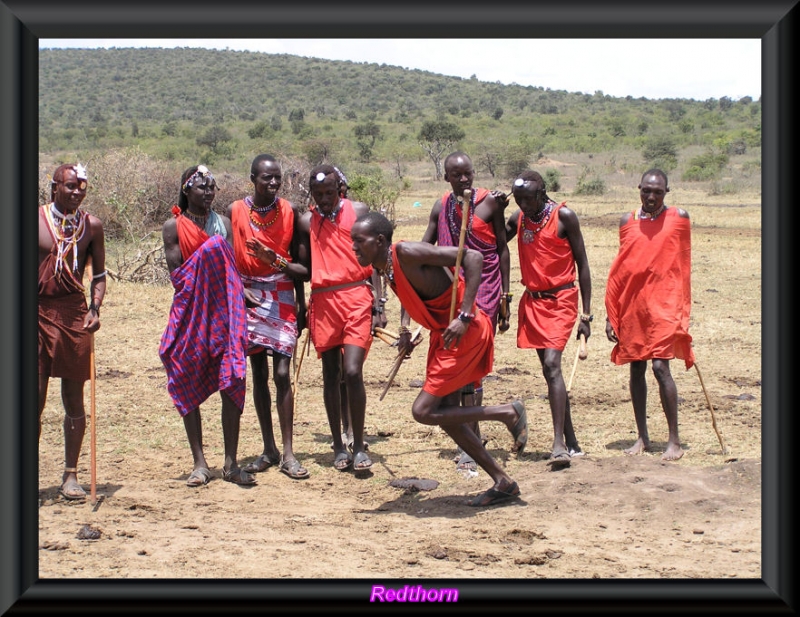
(672, 453)
(639, 447)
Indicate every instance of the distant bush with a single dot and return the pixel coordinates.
(705, 166)
(589, 186)
(660, 152)
(552, 178)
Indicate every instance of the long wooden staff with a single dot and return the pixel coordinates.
(582, 354)
(398, 361)
(461, 239)
(711, 409)
(306, 343)
(93, 412)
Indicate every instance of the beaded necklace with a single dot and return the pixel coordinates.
(388, 272)
(538, 221)
(68, 231)
(197, 219)
(455, 226)
(256, 213)
(651, 217)
(332, 216)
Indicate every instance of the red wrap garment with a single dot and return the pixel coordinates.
(64, 345)
(546, 262)
(272, 324)
(340, 307)
(447, 370)
(649, 292)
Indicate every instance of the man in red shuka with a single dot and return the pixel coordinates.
(648, 303)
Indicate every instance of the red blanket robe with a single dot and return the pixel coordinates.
(447, 370)
(649, 293)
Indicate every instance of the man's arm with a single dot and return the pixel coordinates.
(97, 288)
(172, 250)
(572, 230)
(431, 235)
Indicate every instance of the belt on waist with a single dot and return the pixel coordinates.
(549, 293)
(339, 286)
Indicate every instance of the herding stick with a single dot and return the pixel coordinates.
(378, 333)
(306, 343)
(461, 239)
(388, 333)
(92, 411)
(711, 409)
(582, 354)
(398, 361)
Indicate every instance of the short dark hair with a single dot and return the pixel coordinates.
(377, 224)
(656, 172)
(258, 159)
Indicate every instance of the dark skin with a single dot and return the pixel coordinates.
(652, 191)
(531, 197)
(200, 197)
(424, 265)
(267, 180)
(460, 174)
(67, 193)
(344, 363)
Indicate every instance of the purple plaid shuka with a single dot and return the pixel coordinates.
(204, 346)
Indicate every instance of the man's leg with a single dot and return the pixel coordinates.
(447, 413)
(231, 419)
(557, 397)
(263, 404)
(638, 390)
(193, 424)
(44, 380)
(331, 392)
(284, 402)
(74, 430)
(356, 401)
(668, 393)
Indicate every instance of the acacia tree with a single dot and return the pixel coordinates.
(437, 137)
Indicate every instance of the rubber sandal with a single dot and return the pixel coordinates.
(293, 469)
(199, 477)
(239, 476)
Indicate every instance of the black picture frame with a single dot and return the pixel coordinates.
(24, 22)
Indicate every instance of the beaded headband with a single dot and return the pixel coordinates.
(80, 173)
(201, 173)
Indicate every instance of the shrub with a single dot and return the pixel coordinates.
(552, 178)
(589, 186)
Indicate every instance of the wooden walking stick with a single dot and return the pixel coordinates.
(93, 412)
(582, 354)
(711, 409)
(306, 343)
(398, 361)
(461, 239)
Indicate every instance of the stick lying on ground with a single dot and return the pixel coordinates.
(398, 361)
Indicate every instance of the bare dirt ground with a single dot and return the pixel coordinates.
(606, 516)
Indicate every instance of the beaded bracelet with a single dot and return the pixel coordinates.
(466, 317)
(280, 263)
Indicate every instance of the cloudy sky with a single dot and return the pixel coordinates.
(662, 68)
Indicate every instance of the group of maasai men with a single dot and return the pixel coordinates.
(239, 292)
